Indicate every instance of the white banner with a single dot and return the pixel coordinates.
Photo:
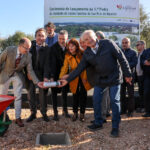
(92, 11)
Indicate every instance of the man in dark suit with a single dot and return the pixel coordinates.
(141, 46)
(128, 105)
(145, 64)
(12, 62)
(39, 52)
(103, 61)
(54, 63)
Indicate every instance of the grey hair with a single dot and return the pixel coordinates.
(101, 34)
(127, 39)
(88, 32)
(142, 42)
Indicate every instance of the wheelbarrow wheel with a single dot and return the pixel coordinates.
(4, 127)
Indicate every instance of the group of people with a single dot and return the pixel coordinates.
(91, 62)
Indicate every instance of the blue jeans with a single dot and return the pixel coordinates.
(114, 92)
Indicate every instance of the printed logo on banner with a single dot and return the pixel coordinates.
(126, 8)
(119, 6)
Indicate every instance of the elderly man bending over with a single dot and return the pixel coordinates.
(104, 62)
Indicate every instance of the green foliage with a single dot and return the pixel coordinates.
(144, 27)
(133, 40)
(13, 40)
(75, 30)
(113, 37)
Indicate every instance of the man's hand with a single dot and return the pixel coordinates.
(29, 77)
(46, 80)
(62, 82)
(41, 85)
(128, 80)
(147, 63)
(51, 79)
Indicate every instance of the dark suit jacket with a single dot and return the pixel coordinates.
(39, 59)
(55, 61)
(145, 56)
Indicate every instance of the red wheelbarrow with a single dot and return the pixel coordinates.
(5, 101)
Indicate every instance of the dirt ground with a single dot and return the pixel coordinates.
(134, 133)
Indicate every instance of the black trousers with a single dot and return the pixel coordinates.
(33, 99)
(147, 93)
(55, 91)
(127, 104)
(141, 90)
(80, 98)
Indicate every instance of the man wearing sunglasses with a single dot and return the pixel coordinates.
(140, 46)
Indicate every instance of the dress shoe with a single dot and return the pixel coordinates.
(74, 117)
(146, 115)
(56, 118)
(95, 127)
(114, 132)
(108, 115)
(45, 118)
(66, 114)
(19, 122)
(82, 117)
(92, 121)
(138, 110)
(31, 118)
(104, 121)
(142, 110)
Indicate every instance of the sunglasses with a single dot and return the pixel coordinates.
(25, 48)
(138, 44)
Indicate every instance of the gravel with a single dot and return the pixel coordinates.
(134, 133)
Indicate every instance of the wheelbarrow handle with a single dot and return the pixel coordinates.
(4, 116)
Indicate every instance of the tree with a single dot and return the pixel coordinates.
(113, 37)
(144, 26)
(14, 39)
(133, 40)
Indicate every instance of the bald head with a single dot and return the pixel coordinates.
(100, 35)
(24, 45)
(125, 43)
(24, 40)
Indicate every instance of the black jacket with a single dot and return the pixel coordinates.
(103, 68)
(131, 56)
(39, 59)
(55, 61)
(145, 56)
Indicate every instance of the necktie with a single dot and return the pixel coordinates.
(17, 60)
(37, 47)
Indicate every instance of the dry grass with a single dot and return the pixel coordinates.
(134, 133)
